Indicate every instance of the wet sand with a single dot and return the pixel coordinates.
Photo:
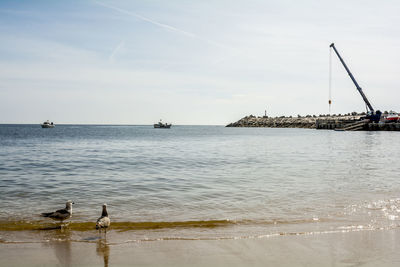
(360, 248)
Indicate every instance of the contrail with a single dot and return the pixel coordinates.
(112, 55)
(162, 25)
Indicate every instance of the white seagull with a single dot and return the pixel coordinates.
(104, 220)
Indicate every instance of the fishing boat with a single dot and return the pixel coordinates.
(160, 124)
(47, 124)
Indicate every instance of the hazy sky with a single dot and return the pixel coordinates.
(193, 62)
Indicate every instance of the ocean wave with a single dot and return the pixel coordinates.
(123, 239)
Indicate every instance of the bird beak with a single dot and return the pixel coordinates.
(73, 202)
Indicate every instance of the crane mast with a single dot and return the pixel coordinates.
(371, 109)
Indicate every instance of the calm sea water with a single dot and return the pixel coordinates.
(199, 181)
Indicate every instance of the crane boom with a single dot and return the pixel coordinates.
(354, 80)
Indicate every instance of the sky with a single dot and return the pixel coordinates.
(193, 62)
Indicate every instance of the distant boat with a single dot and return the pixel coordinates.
(160, 124)
(392, 117)
(47, 124)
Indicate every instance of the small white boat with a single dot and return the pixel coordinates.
(160, 124)
(47, 124)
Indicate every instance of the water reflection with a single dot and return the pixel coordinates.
(60, 241)
(103, 250)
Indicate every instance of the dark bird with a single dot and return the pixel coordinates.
(61, 215)
(104, 221)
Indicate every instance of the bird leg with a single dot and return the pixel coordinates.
(64, 225)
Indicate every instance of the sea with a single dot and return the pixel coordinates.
(195, 182)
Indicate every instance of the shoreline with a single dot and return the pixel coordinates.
(355, 248)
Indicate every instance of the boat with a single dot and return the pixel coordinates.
(47, 124)
(160, 124)
(392, 117)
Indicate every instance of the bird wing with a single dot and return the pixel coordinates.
(60, 214)
(46, 214)
(63, 211)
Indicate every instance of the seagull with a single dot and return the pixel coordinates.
(61, 215)
(103, 221)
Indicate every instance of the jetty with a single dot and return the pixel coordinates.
(363, 125)
(348, 122)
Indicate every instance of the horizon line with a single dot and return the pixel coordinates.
(111, 124)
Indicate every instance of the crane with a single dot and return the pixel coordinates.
(372, 114)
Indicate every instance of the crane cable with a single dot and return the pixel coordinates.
(330, 79)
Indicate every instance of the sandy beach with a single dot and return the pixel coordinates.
(359, 248)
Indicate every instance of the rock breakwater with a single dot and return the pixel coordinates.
(309, 121)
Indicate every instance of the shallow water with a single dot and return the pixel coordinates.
(198, 182)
